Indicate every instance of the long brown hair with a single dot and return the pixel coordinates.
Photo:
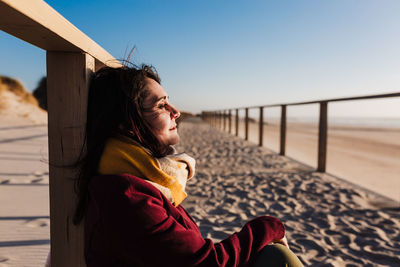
(115, 102)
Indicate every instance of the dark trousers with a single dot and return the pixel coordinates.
(277, 255)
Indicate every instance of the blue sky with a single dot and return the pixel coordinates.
(222, 54)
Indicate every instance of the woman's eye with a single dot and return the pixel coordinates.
(161, 106)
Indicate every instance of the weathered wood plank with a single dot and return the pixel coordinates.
(67, 93)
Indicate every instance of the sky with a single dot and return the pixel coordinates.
(218, 54)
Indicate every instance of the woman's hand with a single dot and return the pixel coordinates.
(282, 241)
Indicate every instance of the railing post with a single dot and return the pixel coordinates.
(261, 127)
(220, 121)
(213, 118)
(230, 121)
(322, 136)
(237, 123)
(283, 130)
(224, 116)
(246, 127)
(67, 94)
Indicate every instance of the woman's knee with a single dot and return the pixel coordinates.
(277, 255)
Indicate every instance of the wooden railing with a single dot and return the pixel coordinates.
(218, 118)
(71, 58)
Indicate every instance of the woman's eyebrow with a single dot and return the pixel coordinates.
(160, 98)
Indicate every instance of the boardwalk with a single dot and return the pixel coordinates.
(328, 222)
(24, 194)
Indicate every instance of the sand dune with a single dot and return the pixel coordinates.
(16, 102)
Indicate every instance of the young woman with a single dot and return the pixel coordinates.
(132, 182)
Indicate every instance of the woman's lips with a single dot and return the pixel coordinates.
(173, 128)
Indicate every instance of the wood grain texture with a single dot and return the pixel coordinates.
(67, 82)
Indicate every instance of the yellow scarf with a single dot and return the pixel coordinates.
(123, 155)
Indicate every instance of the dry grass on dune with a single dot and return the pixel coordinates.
(17, 102)
(14, 86)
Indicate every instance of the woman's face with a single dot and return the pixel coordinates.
(160, 114)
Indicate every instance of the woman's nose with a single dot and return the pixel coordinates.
(175, 114)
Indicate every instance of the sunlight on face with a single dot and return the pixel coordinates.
(160, 114)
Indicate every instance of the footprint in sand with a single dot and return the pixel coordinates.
(3, 259)
(38, 223)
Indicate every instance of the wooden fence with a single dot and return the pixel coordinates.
(71, 57)
(221, 118)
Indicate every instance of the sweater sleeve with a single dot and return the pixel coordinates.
(145, 230)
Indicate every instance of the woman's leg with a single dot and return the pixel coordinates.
(277, 255)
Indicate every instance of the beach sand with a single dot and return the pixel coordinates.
(366, 156)
(24, 192)
(329, 222)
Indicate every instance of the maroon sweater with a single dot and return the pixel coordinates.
(130, 223)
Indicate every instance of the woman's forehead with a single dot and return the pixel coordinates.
(156, 92)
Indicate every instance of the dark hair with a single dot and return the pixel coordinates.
(115, 106)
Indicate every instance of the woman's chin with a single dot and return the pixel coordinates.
(173, 140)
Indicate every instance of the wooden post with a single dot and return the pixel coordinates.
(217, 119)
(246, 126)
(224, 118)
(237, 123)
(261, 127)
(214, 118)
(220, 119)
(283, 130)
(67, 93)
(322, 136)
(230, 121)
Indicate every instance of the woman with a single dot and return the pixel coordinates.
(132, 182)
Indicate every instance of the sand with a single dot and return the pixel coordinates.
(366, 156)
(329, 222)
(24, 192)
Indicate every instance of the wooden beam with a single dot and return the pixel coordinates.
(39, 24)
(67, 93)
(322, 136)
(283, 131)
